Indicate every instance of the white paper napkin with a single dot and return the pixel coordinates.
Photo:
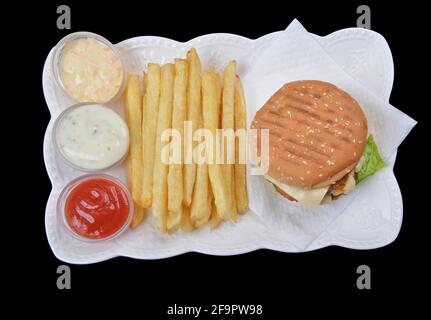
(295, 55)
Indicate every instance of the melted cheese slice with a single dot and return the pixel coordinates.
(310, 197)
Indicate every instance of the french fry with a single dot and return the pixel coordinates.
(164, 120)
(186, 221)
(174, 219)
(193, 113)
(139, 212)
(215, 218)
(228, 123)
(240, 168)
(133, 112)
(145, 83)
(210, 199)
(149, 122)
(199, 206)
(234, 204)
(211, 94)
(138, 216)
(175, 176)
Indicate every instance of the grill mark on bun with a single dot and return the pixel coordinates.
(290, 160)
(316, 130)
(276, 122)
(318, 151)
(304, 150)
(275, 133)
(274, 111)
(329, 111)
(299, 100)
(345, 139)
(291, 151)
(298, 109)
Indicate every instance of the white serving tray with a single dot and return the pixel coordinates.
(369, 222)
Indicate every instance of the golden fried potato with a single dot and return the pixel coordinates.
(133, 115)
(215, 218)
(199, 206)
(186, 221)
(149, 123)
(175, 176)
(228, 123)
(211, 96)
(194, 112)
(240, 168)
(160, 173)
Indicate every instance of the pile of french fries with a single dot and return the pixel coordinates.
(184, 196)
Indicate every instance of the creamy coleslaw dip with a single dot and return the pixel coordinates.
(91, 136)
(90, 70)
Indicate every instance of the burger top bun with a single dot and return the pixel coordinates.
(317, 133)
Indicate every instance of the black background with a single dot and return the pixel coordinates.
(279, 281)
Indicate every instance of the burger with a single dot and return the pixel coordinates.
(319, 147)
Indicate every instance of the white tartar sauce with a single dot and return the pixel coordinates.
(92, 136)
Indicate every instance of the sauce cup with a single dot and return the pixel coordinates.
(91, 137)
(61, 48)
(68, 192)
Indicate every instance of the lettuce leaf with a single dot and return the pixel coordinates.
(372, 160)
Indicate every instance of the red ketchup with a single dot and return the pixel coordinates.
(97, 208)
